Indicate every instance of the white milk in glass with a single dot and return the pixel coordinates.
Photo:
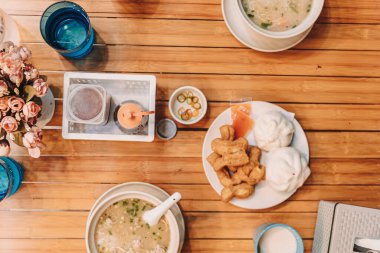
(276, 240)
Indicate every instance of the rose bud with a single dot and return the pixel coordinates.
(31, 109)
(41, 87)
(4, 104)
(25, 53)
(32, 141)
(3, 88)
(16, 103)
(9, 124)
(16, 77)
(30, 72)
(5, 149)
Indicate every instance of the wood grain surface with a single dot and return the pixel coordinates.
(331, 81)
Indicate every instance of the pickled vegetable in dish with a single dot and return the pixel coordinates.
(277, 15)
(241, 119)
(190, 106)
(121, 229)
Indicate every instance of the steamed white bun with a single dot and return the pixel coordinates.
(286, 169)
(273, 130)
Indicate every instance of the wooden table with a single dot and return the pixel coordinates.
(331, 81)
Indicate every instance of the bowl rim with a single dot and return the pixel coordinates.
(173, 98)
(311, 18)
(102, 206)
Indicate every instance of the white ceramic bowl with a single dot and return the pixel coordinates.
(174, 104)
(307, 23)
(101, 207)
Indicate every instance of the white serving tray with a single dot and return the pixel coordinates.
(120, 87)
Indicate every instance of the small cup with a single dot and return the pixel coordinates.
(175, 106)
(166, 129)
(266, 228)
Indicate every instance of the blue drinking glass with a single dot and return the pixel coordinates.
(66, 27)
(11, 176)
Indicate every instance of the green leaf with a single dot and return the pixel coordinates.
(18, 139)
(29, 92)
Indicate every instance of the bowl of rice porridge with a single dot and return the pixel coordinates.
(116, 225)
(280, 18)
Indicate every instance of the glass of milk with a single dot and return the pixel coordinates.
(275, 238)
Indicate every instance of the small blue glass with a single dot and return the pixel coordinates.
(66, 27)
(11, 176)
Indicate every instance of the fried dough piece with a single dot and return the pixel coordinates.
(233, 168)
(224, 177)
(236, 159)
(242, 191)
(223, 147)
(227, 194)
(258, 173)
(254, 154)
(216, 161)
(236, 179)
(227, 132)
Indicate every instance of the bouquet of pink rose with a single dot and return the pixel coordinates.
(21, 88)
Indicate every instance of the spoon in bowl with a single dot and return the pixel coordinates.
(152, 217)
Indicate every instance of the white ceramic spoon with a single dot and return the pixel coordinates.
(153, 216)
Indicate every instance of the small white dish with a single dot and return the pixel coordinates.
(175, 105)
(264, 195)
(244, 33)
(305, 25)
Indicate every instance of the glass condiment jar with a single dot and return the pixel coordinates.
(88, 104)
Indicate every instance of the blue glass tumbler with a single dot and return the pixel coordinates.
(11, 176)
(66, 27)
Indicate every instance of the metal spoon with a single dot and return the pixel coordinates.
(153, 216)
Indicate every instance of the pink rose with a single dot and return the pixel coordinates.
(5, 149)
(4, 106)
(32, 140)
(24, 53)
(17, 77)
(41, 87)
(31, 109)
(3, 88)
(16, 103)
(30, 72)
(19, 53)
(9, 124)
(11, 66)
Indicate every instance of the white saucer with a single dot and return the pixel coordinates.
(246, 35)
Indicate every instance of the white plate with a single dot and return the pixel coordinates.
(149, 189)
(250, 38)
(264, 196)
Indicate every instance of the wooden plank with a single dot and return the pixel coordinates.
(122, 58)
(199, 198)
(335, 11)
(26, 224)
(202, 33)
(189, 144)
(180, 171)
(265, 88)
(310, 116)
(78, 246)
